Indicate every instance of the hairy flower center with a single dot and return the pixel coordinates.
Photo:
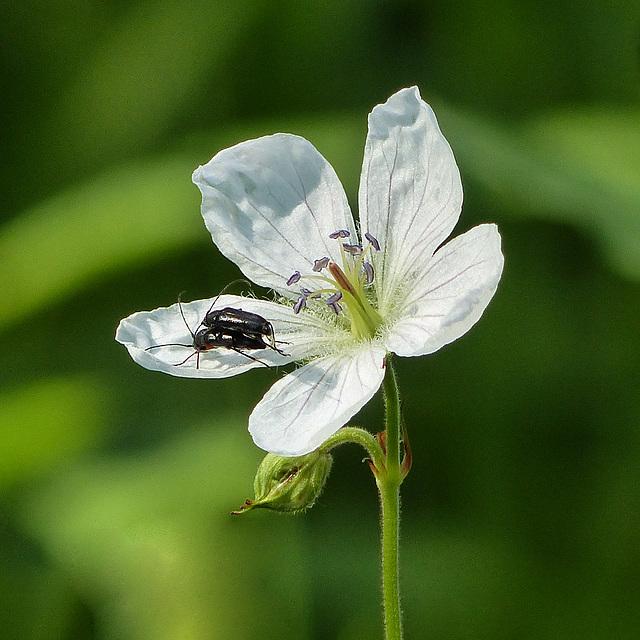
(344, 285)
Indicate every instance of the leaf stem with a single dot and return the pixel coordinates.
(360, 436)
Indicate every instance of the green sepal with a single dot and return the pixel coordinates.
(289, 485)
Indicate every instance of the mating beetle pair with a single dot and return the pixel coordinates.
(227, 328)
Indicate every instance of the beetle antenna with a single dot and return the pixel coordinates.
(246, 355)
(182, 314)
(168, 344)
(195, 353)
(225, 288)
(273, 346)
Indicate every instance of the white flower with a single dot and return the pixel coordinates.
(276, 208)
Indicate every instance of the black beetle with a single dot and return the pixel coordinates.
(237, 320)
(227, 328)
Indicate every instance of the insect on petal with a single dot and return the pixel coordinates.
(161, 341)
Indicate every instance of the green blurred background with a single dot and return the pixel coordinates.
(521, 516)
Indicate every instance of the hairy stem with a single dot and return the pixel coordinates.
(389, 480)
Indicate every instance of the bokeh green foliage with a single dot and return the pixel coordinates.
(522, 511)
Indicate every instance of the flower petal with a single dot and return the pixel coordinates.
(451, 295)
(270, 205)
(165, 329)
(410, 191)
(304, 408)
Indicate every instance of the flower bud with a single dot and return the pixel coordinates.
(289, 485)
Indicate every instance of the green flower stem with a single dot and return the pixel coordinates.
(389, 478)
(359, 436)
(384, 453)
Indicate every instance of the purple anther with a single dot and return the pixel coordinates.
(307, 293)
(300, 305)
(336, 308)
(368, 272)
(353, 249)
(293, 278)
(332, 299)
(374, 243)
(340, 233)
(321, 264)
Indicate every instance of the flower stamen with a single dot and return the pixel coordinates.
(374, 243)
(346, 284)
(353, 249)
(312, 294)
(332, 301)
(300, 304)
(368, 272)
(320, 264)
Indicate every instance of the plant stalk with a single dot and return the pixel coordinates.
(389, 480)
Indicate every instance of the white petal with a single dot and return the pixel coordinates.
(295, 336)
(410, 191)
(270, 205)
(304, 408)
(452, 293)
